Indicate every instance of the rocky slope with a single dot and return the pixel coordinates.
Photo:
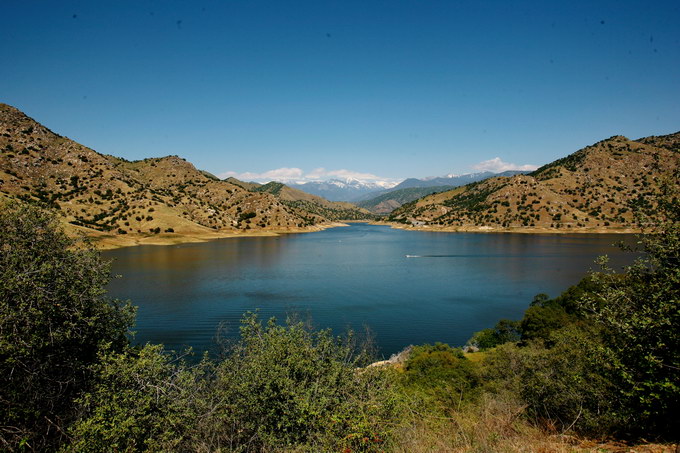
(102, 194)
(594, 189)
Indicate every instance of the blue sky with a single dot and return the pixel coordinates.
(315, 89)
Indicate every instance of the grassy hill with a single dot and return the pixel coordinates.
(388, 202)
(103, 195)
(297, 199)
(596, 188)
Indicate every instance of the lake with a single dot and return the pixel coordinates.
(408, 287)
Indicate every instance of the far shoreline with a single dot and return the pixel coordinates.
(496, 230)
(104, 241)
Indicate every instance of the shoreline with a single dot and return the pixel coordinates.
(104, 241)
(496, 230)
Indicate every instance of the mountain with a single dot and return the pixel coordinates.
(106, 196)
(596, 188)
(452, 180)
(386, 201)
(340, 190)
(297, 199)
(392, 199)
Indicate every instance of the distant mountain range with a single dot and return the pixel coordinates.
(385, 201)
(597, 188)
(340, 190)
(353, 190)
(452, 180)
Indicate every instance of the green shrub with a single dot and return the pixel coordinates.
(143, 400)
(54, 320)
(505, 331)
(564, 386)
(288, 385)
(441, 375)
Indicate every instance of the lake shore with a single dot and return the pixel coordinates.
(490, 229)
(108, 241)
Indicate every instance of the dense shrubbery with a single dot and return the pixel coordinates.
(600, 359)
(604, 357)
(54, 321)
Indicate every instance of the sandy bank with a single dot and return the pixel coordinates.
(108, 241)
(524, 230)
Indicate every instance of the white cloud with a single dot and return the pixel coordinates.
(280, 174)
(299, 176)
(496, 165)
(323, 174)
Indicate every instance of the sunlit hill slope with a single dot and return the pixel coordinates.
(597, 188)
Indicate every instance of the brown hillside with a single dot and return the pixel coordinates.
(105, 194)
(297, 199)
(595, 189)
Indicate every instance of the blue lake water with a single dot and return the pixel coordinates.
(408, 287)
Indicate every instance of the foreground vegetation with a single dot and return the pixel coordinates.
(601, 360)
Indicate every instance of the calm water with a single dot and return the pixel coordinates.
(408, 287)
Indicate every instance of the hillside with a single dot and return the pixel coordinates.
(594, 189)
(452, 180)
(297, 199)
(108, 197)
(385, 201)
(391, 200)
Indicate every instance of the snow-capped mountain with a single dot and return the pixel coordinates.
(349, 189)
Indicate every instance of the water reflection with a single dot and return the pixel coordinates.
(460, 283)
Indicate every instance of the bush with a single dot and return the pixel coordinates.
(505, 331)
(288, 385)
(640, 314)
(54, 320)
(564, 386)
(279, 387)
(142, 400)
(441, 375)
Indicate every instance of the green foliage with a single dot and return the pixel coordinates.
(272, 187)
(505, 331)
(564, 386)
(141, 402)
(279, 387)
(54, 320)
(545, 315)
(640, 312)
(441, 374)
(288, 385)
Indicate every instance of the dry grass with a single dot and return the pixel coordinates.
(496, 424)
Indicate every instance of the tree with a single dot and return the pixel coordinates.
(54, 320)
(640, 312)
(504, 331)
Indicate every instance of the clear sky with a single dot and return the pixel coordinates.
(392, 88)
